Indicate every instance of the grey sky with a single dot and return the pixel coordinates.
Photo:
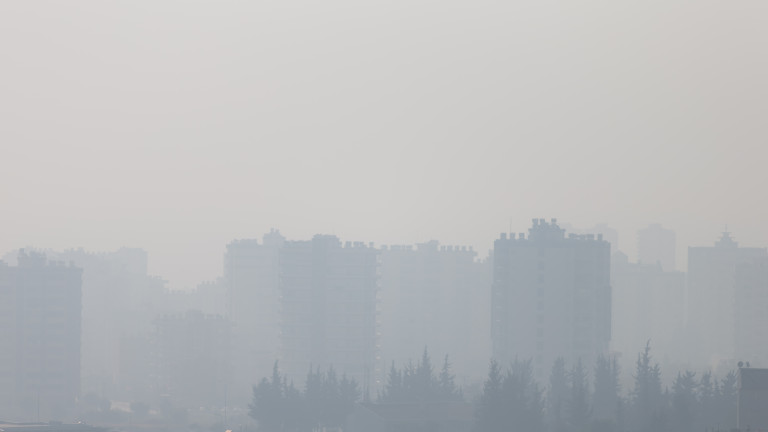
(179, 126)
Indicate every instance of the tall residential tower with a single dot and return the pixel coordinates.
(436, 297)
(328, 308)
(551, 297)
(40, 308)
(712, 300)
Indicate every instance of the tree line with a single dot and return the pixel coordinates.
(513, 400)
(326, 401)
(575, 398)
(419, 384)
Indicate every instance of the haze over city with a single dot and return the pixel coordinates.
(304, 216)
(177, 127)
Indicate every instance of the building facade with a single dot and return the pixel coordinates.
(191, 359)
(251, 275)
(752, 400)
(551, 297)
(657, 245)
(119, 298)
(751, 307)
(648, 304)
(711, 320)
(40, 314)
(328, 308)
(436, 297)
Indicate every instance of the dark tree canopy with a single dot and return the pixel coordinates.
(327, 400)
(511, 399)
(419, 384)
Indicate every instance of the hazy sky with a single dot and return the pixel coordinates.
(179, 126)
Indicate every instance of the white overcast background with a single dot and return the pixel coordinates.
(178, 126)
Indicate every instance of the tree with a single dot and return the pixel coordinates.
(267, 407)
(647, 395)
(726, 396)
(523, 398)
(279, 406)
(446, 385)
(510, 401)
(605, 399)
(394, 389)
(684, 401)
(313, 397)
(423, 383)
(295, 413)
(578, 407)
(707, 407)
(331, 400)
(489, 411)
(349, 393)
(557, 396)
(418, 384)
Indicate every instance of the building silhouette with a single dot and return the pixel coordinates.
(752, 399)
(191, 358)
(119, 298)
(711, 320)
(647, 304)
(40, 313)
(328, 308)
(251, 275)
(609, 234)
(551, 297)
(751, 306)
(436, 297)
(656, 245)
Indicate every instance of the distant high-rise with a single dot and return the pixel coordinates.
(551, 297)
(40, 312)
(191, 358)
(251, 274)
(609, 234)
(437, 297)
(119, 299)
(648, 303)
(712, 298)
(329, 308)
(751, 314)
(656, 245)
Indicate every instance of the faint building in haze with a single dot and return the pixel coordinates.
(752, 399)
(191, 358)
(328, 304)
(40, 313)
(436, 297)
(551, 297)
(712, 301)
(751, 311)
(609, 234)
(119, 299)
(647, 305)
(656, 244)
(251, 275)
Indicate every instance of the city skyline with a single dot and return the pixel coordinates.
(344, 216)
(446, 123)
(326, 303)
(214, 265)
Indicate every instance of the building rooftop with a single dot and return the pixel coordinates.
(753, 379)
